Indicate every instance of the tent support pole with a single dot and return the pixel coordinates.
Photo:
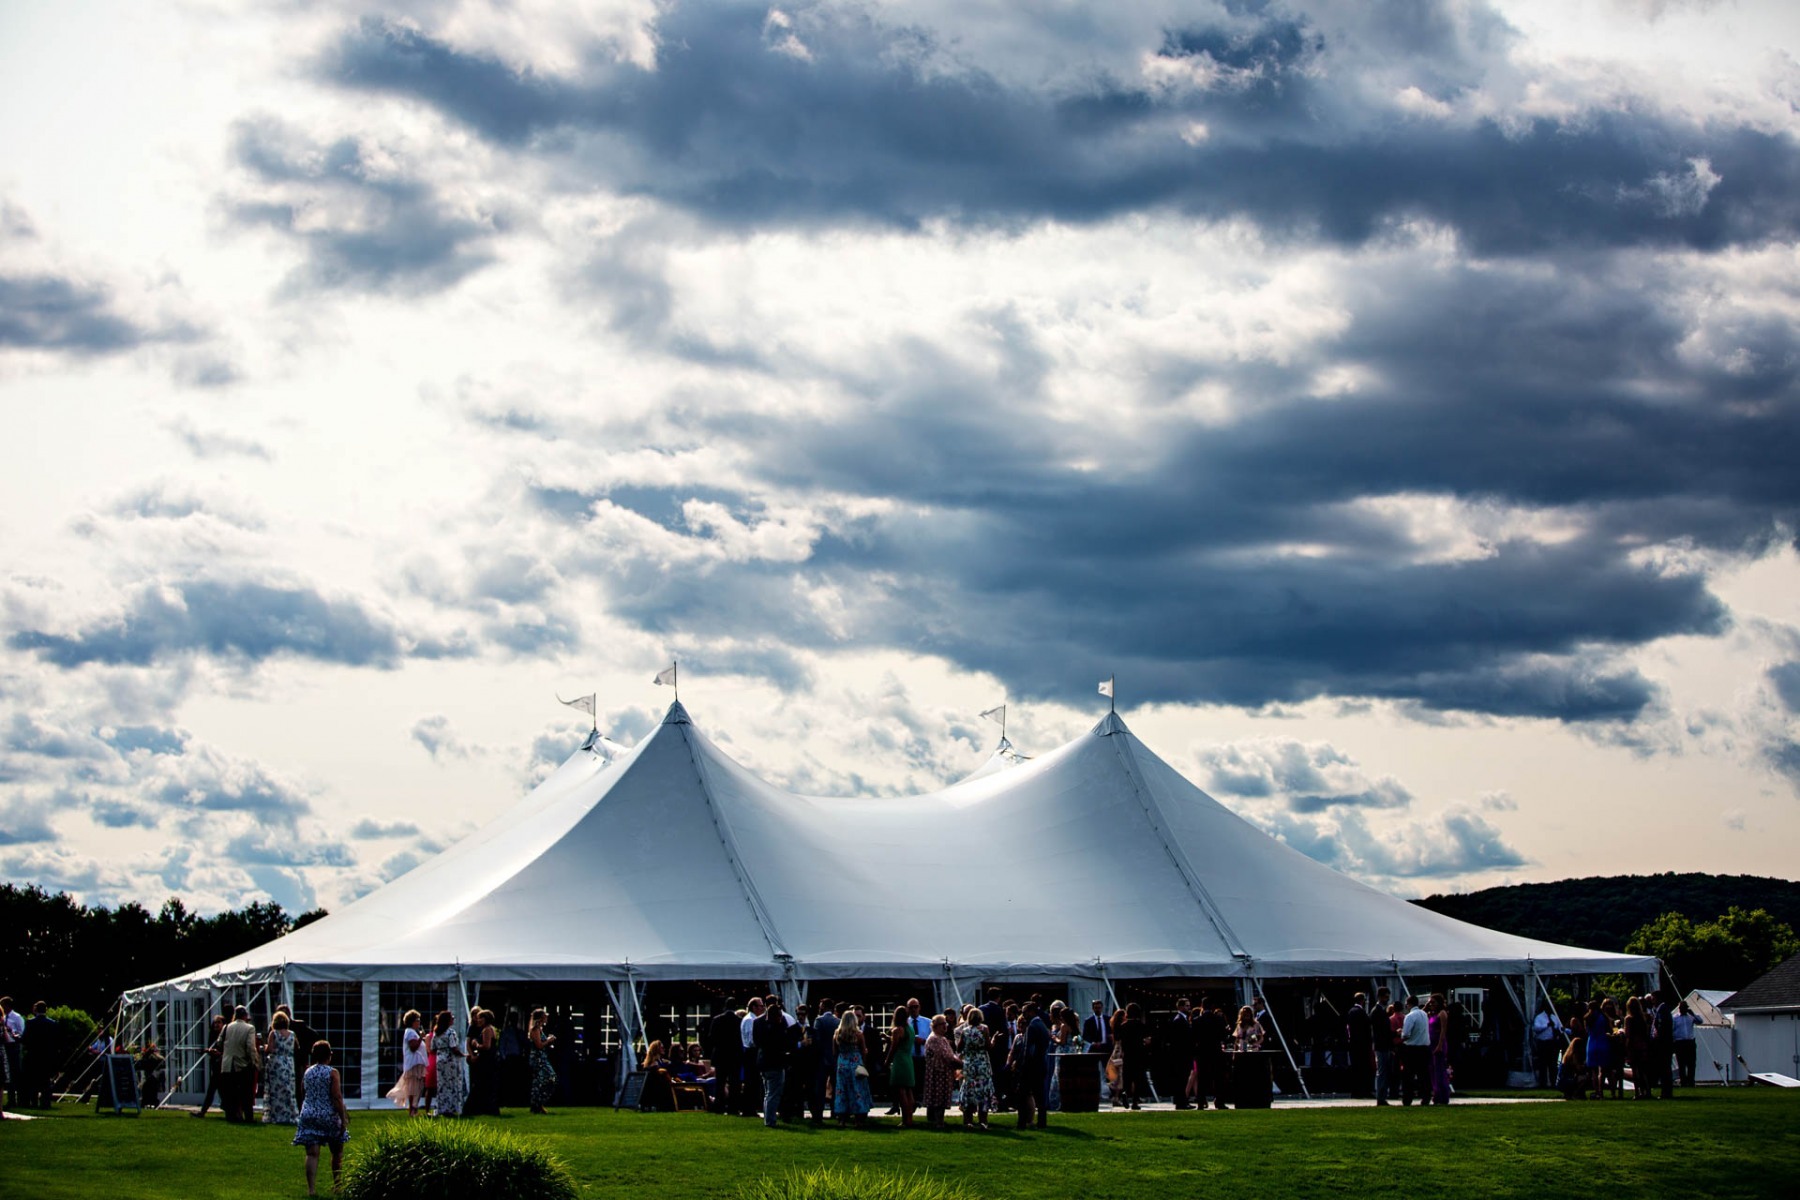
(1285, 1048)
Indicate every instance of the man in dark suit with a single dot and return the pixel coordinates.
(723, 1044)
(1094, 1033)
(1210, 1029)
(1178, 1051)
(1361, 1037)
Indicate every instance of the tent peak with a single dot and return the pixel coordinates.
(676, 715)
(1109, 725)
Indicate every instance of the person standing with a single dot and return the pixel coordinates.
(39, 1057)
(1415, 1054)
(1031, 1067)
(1637, 1049)
(543, 1074)
(278, 1085)
(1134, 1054)
(1096, 1035)
(978, 1069)
(324, 1121)
(1662, 1045)
(1210, 1030)
(850, 1095)
(409, 1089)
(1438, 1024)
(1545, 1029)
(1682, 1031)
(921, 1027)
(1381, 1041)
(902, 1079)
(1359, 1034)
(238, 1060)
(824, 1034)
(304, 1037)
(750, 1100)
(774, 1047)
(12, 1035)
(941, 1063)
(452, 1077)
(721, 1041)
(214, 1050)
(1178, 1047)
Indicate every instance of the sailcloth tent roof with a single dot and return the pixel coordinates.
(673, 861)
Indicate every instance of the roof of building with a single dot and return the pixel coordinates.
(1779, 989)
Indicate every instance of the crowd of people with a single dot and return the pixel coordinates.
(1652, 1040)
(831, 1060)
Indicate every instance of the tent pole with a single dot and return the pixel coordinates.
(1285, 1048)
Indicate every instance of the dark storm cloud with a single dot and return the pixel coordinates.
(1577, 394)
(364, 225)
(239, 620)
(879, 124)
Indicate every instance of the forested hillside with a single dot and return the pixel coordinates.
(1602, 912)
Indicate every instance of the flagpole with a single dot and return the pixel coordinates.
(1112, 693)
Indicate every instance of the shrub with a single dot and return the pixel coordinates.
(832, 1183)
(449, 1160)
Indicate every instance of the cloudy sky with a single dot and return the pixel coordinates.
(1399, 396)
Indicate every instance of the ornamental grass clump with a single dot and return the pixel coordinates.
(832, 1183)
(448, 1160)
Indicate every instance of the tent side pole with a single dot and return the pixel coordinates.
(1285, 1048)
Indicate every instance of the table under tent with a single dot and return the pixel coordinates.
(633, 892)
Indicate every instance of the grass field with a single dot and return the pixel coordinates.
(1718, 1144)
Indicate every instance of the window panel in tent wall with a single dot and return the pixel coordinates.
(334, 1012)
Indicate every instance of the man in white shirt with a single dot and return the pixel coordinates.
(1415, 1054)
(751, 1100)
(1544, 1028)
(12, 1037)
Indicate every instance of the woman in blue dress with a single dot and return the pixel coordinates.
(850, 1091)
(324, 1121)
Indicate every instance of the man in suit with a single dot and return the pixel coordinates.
(1210, 1029)
(1361, 1037)
(724, 1046)
(825, 1027)
(1094, 1033)
(1178, 1050)
(238, 1061)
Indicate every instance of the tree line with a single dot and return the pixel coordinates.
(56, 949)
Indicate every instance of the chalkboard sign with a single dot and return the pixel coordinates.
(118, 1085)
(633, 1090)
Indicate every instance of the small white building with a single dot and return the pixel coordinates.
(1766, 1018)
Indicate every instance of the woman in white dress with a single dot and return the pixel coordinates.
(411, 1086)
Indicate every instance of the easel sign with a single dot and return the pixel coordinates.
(118, 1085)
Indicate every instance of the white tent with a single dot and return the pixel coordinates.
(1093, 863)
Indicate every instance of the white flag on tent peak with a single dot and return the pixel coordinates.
(1106, 687)
(666, 676)
(584, 703)
(998, 712)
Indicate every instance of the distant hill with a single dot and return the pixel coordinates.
(1601, 913)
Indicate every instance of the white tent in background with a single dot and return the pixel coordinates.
(1093, 863)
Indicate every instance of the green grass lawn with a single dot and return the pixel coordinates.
(1716, 1144)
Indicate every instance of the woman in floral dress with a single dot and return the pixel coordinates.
(452, 1080)
(850, 1096)
(940, 1072)
(278, 1086)
(324, 1121)
(977, 1068)
(543, 1075)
